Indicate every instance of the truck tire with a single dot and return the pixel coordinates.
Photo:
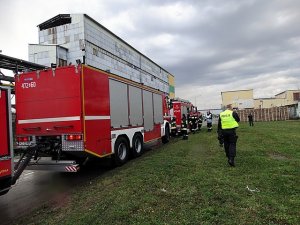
(121, 151)
(137, 145)
(166, 138)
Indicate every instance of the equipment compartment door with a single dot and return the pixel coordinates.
(49, 102)
(96, 112)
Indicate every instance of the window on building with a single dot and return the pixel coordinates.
(62, 62)
(296, 96)
(52, 30)
(95, 52)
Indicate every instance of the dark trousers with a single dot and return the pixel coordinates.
(251, 123)
(184, 131)
(209, 127)
(230, 139)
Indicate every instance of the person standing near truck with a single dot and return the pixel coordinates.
(200, 120)
(227, 124)
(209, 121)
(173, 127)
(184, 127)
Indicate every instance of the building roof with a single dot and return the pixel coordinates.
(237, 90)
(58, 20)
(287, 91)
(18, 65)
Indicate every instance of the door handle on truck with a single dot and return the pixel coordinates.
(31, 128)
(63, 127)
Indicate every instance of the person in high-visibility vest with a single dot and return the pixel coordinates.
(228, 123)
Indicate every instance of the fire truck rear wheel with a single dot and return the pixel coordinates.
(137, 145)
(121, 151)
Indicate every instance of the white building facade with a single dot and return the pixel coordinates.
(67, 38)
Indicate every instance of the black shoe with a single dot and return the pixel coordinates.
(231, 162)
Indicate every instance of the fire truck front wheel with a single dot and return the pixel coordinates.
(121, 151)
(137, 145)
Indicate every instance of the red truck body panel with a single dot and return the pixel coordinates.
(153, 134)
(96, 111)
(4, 131)
(177, 112)
(49, 103)
(5, 168)
(6, 151)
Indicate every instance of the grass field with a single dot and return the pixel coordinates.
(190, 182)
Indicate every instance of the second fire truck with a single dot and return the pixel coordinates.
(180, 110)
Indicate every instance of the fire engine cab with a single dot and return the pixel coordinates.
(179, 107)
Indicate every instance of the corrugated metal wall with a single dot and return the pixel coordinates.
(84, 37)
(269, 114)
(107, 52)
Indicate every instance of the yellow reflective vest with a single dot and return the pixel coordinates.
(227, 120)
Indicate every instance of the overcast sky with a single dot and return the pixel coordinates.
(209, 46)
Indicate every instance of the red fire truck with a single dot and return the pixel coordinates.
(6, 152)
(180, 107)
(73, 113)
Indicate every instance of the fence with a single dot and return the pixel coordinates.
(268, 114)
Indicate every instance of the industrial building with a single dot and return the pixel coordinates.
(243, 99)
(238, 99)
(287, 101)
(77, 38)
